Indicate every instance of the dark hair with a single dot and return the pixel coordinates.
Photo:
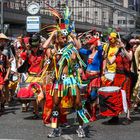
(34, 40)
(126, 39)
(1, 48)
(128, 46)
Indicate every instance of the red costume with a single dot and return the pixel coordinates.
(122, 77)
(35, 62)
(3, 65)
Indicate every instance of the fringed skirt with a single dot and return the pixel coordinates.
(68, 83)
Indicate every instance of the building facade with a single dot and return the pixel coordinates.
(118, 14)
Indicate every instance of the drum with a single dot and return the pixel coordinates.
(27, 91)
(110, 100)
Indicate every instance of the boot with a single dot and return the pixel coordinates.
(114, 120)
(93, 114)
(2, 107)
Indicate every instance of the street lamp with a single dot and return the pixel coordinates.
(1, 15)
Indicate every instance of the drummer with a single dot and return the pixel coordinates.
(35, 56)
(123, 59)
(109, 68)
(92, 73)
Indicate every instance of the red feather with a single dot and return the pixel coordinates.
(54, 12)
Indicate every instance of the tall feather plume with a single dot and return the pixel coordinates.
(67, 13)
(50, 28)
(54, 12)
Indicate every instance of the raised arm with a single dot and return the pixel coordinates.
(76, 41)
(129, 55)
(48, 41)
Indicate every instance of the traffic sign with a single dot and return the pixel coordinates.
(33, 24)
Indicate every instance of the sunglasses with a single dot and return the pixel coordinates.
(88, 37)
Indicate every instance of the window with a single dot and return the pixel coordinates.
(103, 15)
(80, 15)
(96, 13)
(87, 14)
(124, 22)
(87, 3)
(80, 3)
(119, 22)
(131, 22)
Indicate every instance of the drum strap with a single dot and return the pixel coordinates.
(122, 72)
(126, 78)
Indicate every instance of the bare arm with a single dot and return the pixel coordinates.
(8, 70)
(48, 41)
(137, 54)
(129, 55)
(76, 41)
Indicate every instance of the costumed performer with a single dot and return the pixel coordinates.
(67, 61)
(93, 73)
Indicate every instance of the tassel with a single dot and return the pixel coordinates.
(82, 116)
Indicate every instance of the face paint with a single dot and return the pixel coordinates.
(112, 39)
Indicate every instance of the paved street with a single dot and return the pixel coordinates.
(17, 125)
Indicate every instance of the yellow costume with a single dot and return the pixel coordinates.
(112, 51)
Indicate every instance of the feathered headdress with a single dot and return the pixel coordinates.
(64, 25)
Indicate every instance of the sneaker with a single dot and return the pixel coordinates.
(81, 133)
(2, 107)
(56, 132)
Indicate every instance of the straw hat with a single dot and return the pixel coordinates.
(3, 36)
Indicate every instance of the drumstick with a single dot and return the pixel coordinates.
(119, 35)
